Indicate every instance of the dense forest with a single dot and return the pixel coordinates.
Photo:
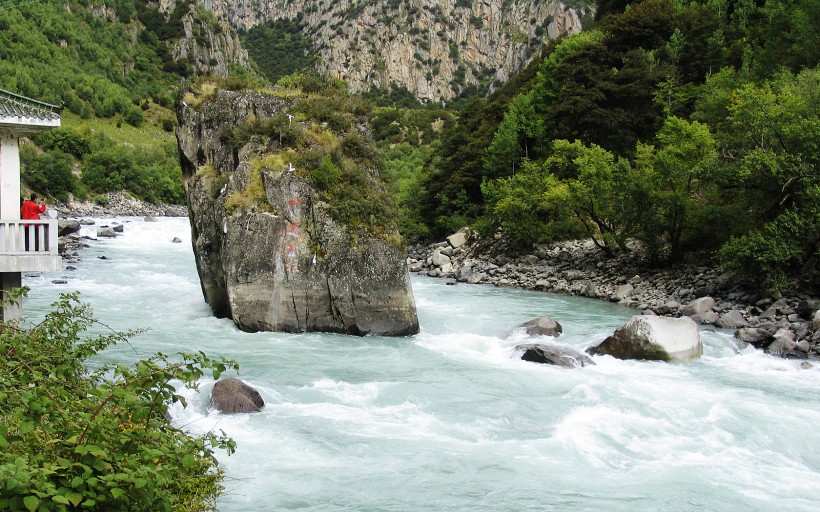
(682, 125)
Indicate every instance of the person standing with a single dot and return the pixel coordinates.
(31, 210)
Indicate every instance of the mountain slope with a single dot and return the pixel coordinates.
(437, 49)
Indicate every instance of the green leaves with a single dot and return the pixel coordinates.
(100, 441)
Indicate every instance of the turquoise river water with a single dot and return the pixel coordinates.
(450, 420)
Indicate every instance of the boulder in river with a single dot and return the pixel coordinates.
(553, 354)
(231, 396)
(67, 226)
(653, 338)
(543, 326)
(271, 251)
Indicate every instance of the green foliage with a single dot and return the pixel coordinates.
(279, 48)
(98, 439)
(48, 172)
(150, 174)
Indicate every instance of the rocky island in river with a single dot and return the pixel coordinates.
(291, 228)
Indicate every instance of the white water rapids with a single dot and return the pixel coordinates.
(449, 420)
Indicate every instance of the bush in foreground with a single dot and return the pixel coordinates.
(74, 438)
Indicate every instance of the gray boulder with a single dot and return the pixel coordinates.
(543, 326)
(731, 320)
(457, 239)
(553, 354)
(231, 396)
(106, 233)
(700, 305)
(807, 308)
(66, 227)
(282, 260)
(622, 292)
(755, 336)
(654, 338)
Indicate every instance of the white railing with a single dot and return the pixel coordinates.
(41, 236)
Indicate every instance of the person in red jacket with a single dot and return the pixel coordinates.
(31, 210)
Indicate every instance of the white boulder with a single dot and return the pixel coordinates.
(655, 338)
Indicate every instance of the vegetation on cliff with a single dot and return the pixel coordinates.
(684, 126)
(79, 433)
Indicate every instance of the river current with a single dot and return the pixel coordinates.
(450, 420)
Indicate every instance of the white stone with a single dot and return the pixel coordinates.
(457, 240)
(654, 337)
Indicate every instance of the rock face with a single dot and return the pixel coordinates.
(543, 326)
(285, 264)
(553, 354)
(383, 44)
(231, 396)
(655, 338)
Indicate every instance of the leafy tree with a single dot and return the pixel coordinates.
(100, 438)
(674, 177)
(49, 172)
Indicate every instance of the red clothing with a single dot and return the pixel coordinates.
(31, 210)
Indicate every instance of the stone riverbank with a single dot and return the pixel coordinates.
(786, 326)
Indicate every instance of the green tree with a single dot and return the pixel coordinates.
(675, 177)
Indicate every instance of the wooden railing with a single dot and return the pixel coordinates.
(28, 237)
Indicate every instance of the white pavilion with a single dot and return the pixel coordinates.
(21, 116)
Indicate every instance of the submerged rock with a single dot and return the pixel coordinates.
(231, 396)
(654, 338)
(543, 326)
(270, 252)
(553, 354)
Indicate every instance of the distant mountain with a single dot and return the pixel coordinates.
(435, 49)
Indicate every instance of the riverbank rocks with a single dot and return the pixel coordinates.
(653, 338)
(553, 354)
(543, 326)
(231, 396)
(696, 282)
(271, 254)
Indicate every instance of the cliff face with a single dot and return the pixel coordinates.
(434, 48)
(208, 45)
(281, 263)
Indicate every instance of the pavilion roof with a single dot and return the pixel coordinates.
(25, 113)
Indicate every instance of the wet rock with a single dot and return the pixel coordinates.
(176, 240)
(553, 354)
(653, 338)
(106, 233)
(543, 326)
(231, 396)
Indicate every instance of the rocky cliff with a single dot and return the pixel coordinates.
(271, 251)
(434, 48)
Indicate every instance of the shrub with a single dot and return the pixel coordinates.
(98, 439)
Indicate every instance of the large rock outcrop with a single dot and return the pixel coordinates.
(654, 338)
(281, 262)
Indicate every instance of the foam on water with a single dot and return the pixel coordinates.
(451, 419)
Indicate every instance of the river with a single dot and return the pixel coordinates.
(449, 420)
